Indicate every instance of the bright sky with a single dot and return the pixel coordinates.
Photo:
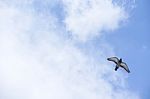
(57, 49)
(132, 43)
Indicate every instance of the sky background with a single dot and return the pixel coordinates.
(58, 49)
(133, 45)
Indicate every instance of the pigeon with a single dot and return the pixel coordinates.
(119, 63)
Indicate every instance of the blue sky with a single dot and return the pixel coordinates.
(132, 43)
(57, 49)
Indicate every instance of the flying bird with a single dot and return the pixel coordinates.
(119, 63)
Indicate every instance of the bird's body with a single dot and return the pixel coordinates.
(119, 63)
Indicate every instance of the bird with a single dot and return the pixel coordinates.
(119, 63)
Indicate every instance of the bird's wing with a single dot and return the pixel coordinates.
(124, 65)
(114, 59)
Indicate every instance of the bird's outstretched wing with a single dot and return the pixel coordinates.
(124, 65)
(114, 59)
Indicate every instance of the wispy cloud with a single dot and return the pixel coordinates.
(39, 61)
(89, 18)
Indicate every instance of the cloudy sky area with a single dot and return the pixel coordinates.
(57, 49)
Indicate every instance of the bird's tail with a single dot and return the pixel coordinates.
(116, 68)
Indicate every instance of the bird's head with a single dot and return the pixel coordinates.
(120, 60)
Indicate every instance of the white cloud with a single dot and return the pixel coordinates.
(89, 18)
(37, 61)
